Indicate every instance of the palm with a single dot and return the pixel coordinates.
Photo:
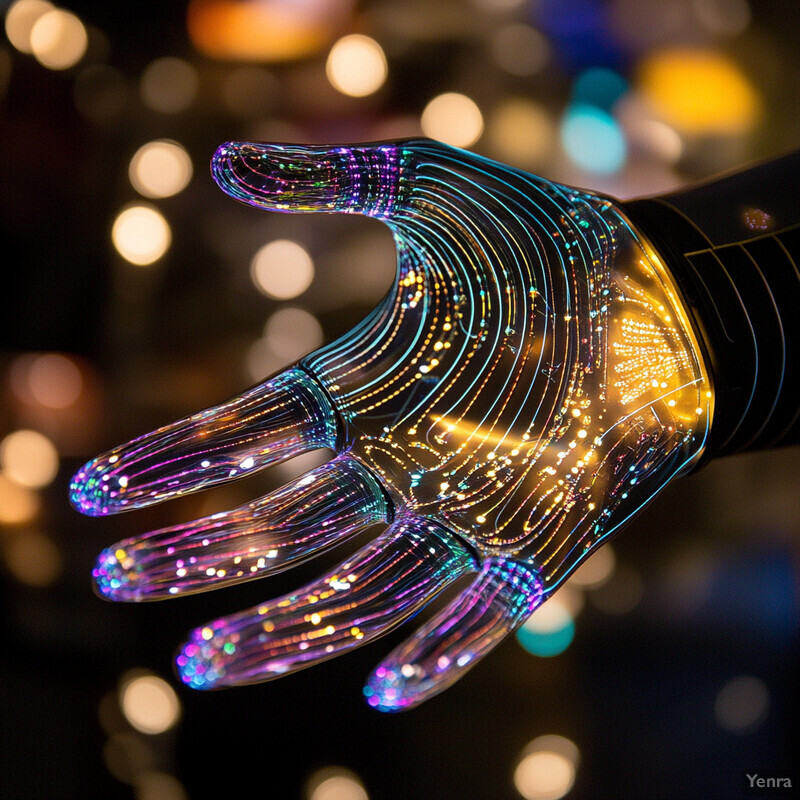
(526, 385)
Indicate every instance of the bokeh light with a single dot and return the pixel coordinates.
(621, 594)
(600, 87)
(651, 135)
(52, 380)
(498, 6)
(292, 332)
(141, 235)
(701, 92)
(32, 558)
(157, 785)
(58, 39)
(282, 269)
(149, 703)
(264, 30)
(260, 360)
(169, 85)
(18, 504)
(547, 768)
(20, 19)
(742, 704)
(335, 783)
(356, 66)
(549, 631)
(521, 132)
(161, 168)
(29, 458)
(453, 118)
(723, 17)
(519, 49)
(572, 598)
(596, 570)
(593, 139)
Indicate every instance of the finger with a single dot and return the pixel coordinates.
(320, 509)
(283, 417)
(363, 598)
(500, 599)
(366, 179)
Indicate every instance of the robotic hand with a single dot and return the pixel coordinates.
(530, 382)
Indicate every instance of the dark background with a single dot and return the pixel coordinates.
(716, 553)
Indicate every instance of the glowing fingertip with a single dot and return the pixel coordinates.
(115, 575)
(94, 491)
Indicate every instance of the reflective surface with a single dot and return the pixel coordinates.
(530, 382)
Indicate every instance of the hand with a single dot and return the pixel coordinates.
(528, 384)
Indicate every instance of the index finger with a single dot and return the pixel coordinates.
(362, 179)
(282, 417)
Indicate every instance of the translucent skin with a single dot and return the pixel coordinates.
(530, 382)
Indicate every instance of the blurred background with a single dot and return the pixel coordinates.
(136, 292)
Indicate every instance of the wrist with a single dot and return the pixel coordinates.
(732, 247)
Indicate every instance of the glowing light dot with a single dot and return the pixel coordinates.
(593, 139)
(700, 91)
(161, 168)
(33, 558)
(315, 619)
(141, 235)
(335, 783)
(453, 118)
(149, 704)
(547, 768)
(20, 19)
(18, 504)
(742, 704)
(292, 332)
(58, 39)
(169, 85)
(207, 634)
(596, 570)
(519, 49)
(29, 458)
(50, 379)
(282, 269)
(357, 66)
(549, 631)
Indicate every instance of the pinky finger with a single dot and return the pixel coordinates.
(499, 600)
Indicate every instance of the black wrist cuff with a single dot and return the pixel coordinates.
(733, 247)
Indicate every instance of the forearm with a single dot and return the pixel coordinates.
(733, 246)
